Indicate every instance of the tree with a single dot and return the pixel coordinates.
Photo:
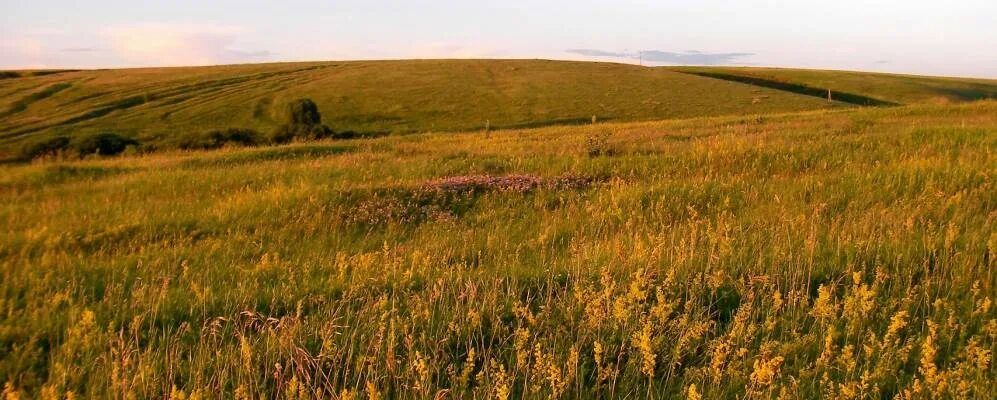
(303, 112)
(304, 122)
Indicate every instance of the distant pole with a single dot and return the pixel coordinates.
(829, 96)
(488, 128)
(594, 120)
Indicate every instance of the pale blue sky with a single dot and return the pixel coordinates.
(915, 36)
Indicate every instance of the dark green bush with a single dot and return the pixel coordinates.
(304, 122)
(242, 137)
(303, 112)
(45, 148)
(219, 138)
(104, 144)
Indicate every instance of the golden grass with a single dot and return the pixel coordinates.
(844, 254)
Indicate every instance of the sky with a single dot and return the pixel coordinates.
(956, 38)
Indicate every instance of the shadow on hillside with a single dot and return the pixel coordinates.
(264, 154)
(843, 97)
(977, 92)
(551, 122)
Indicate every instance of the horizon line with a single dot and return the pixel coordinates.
(646, 64)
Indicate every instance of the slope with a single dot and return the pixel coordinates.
(157, 104)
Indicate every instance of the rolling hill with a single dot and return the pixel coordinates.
(160, 105)
(369, 96)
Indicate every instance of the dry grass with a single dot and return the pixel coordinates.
(832, 254)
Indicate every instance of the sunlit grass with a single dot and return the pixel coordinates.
(160, 106)
(845, 254)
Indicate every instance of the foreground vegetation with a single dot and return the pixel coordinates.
(843, 254)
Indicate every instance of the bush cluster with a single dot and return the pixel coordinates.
(303, 121)
(222, 137)
(50, 147)
(101, 144)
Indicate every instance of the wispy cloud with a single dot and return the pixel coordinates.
(179, 44)
(693, 57)
(600, 53)
(80, 50)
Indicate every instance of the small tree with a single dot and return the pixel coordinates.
(303, 112)
(304, 122)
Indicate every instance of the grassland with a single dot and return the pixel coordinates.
(843, 254)
(160, 105)
(886, 88)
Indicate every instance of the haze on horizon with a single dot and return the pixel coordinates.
(918, 37)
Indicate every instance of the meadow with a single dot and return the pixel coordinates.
(158, 105)
(845, 253)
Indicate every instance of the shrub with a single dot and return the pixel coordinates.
(45, 148)
(242, 137)
(218, 138)
(304, 122)
(104, 144)
(303, 112)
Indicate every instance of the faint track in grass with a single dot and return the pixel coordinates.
(135, 100)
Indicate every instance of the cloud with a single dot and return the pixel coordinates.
(79, 50)
(599, 53)
(693, 57)
(178, 44)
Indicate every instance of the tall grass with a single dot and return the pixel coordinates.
(832, 254)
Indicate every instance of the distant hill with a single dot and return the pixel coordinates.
(879, 87)
(157, 104)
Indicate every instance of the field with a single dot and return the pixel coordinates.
(159, 105)
(846, 253)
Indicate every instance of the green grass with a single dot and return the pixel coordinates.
(834, 254)
(892, 88)
(159, 105)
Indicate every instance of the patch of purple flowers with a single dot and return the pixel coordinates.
(510, 183)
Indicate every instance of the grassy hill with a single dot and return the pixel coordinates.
(808, 255)
(160, 105)
(377, 96)
(887, 88)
